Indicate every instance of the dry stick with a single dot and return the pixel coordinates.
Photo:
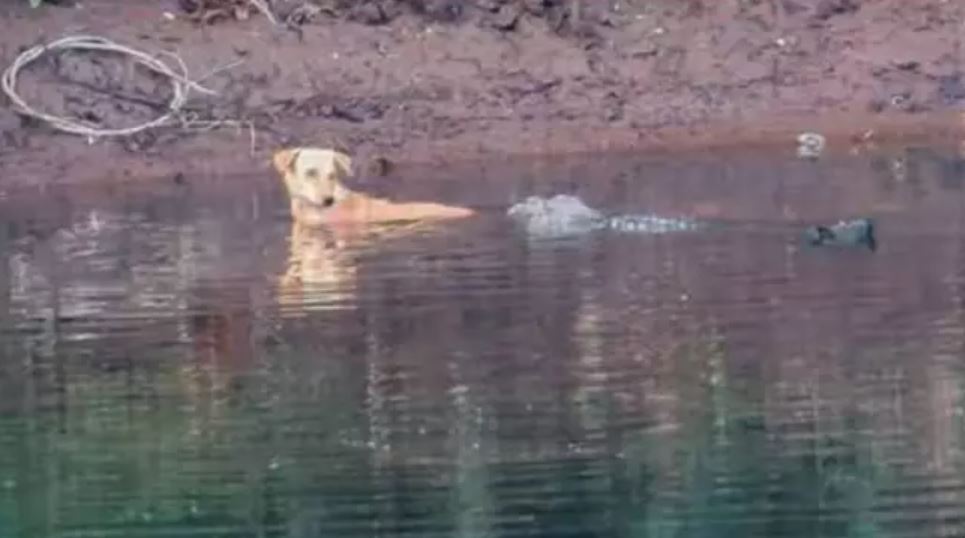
(265, 10)
(116, 94)
(181, 85)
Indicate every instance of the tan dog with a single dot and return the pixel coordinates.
(325, 242)
(314, 179)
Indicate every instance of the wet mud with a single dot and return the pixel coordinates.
(440, 81)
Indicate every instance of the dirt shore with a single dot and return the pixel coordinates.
(429, 81)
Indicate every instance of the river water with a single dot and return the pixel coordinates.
(179, 361)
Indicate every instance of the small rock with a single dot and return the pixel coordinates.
(810, 145)
(900, 100)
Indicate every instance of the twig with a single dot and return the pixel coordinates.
(218, 70)
(180, 84)
(265, 10)
(117, 94)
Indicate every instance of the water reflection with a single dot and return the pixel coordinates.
(321, 264)
(188, 365)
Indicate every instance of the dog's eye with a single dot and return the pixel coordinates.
(311, 173)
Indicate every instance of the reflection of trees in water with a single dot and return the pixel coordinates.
(832, 360)
(723, 383)
(101, 428)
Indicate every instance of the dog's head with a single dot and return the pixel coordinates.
(314, 175)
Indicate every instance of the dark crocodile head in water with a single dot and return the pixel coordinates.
(853, 233)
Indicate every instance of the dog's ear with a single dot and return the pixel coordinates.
(284, 160)
(344, 163)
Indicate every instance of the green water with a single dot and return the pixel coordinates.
(157, 379)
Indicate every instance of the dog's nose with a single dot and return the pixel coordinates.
(328, 201)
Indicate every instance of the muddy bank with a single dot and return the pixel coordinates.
(441, 80)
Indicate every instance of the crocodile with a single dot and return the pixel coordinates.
(564, 215)
(846, 233)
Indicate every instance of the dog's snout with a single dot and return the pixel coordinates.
(328, 201)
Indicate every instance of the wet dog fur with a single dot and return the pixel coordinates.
(315, 181)
(330, 223)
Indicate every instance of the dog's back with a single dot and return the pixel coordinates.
(314, 179)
